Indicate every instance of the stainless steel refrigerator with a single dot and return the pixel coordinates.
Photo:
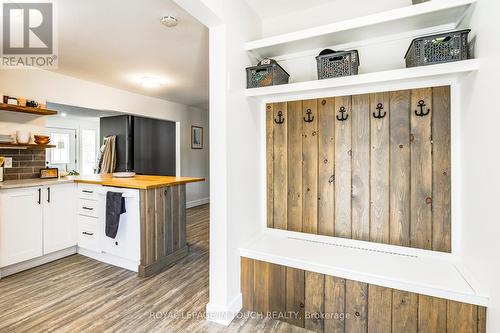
(143, 145)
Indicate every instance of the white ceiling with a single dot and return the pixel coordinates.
(116, 42)
(271, 8)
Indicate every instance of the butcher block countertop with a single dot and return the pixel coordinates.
(141, 182)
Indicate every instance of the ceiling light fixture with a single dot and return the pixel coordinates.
(169, 21)
(151, 82)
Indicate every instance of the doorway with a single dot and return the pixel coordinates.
(63, 156)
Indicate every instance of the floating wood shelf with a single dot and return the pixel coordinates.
(25, 146)
(27, 109)
(369, 82)
(446, 14)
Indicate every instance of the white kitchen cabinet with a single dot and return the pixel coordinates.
(59, 217)
(20, 225)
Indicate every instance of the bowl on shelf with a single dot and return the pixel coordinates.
(23, 137)
(42, 139)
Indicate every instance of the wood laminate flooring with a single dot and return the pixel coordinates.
(79, 294)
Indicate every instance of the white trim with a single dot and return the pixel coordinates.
(110, 259)
(429, 14)
(224, 315)
(178, 148)
(199, 202)
(16, 268)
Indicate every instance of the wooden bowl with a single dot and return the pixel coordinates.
(42, 142)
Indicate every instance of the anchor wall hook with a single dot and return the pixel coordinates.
(379, 115)
(309, 118)
(281, 119)
(422, 113)
(342, 117)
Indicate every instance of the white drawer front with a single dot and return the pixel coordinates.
(88, 192)
(88, 233)
(88, 208)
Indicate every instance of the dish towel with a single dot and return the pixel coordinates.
(107, 158)
(115, 206)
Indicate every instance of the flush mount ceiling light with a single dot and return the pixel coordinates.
(151, 82)
(169, 21)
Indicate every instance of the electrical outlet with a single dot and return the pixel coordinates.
(7, 163)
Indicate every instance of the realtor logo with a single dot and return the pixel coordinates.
(28, 38)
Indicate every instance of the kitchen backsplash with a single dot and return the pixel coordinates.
(26, 163)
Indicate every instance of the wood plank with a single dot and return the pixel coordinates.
(379, 309)
(431, 314)
(334, 304)
(169, 248)
(294, 155)
(295, 295)
(361, 167)
(269, 162)
(182, 215)
(461, 318)
(310, 168)
(150, 227)
(315, 285)
(441, 170)
(481, 319)
(280, 186)
(421, 171)
(400, 168)
(163, 263)
(175, 217)
(404, 312)
(326, 150)
(356, 299)
(27, 109)
(143, 213)
(343, 168)
(261, 286)
(160, 222)
(277, 290)
(247, 279)
(379, 169)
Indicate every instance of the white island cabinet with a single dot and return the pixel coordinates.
(36, 221)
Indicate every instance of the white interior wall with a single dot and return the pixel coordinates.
(481, 159)
(48, 86)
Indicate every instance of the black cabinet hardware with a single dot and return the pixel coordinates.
(87, 191)
(87, 208)
(281, 119)
(310, 118)
(88, 233)
(342, 111)
(48, 194)
(39, 196)
(379, 115)
(422, 113)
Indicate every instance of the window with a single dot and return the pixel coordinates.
(89, 153)
(60, 155)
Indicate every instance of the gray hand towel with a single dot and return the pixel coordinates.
(115, 206)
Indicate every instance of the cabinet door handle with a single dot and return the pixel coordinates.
(87, 191)
(48, 194)
(88, 233)
(87, 208)
(39, 196)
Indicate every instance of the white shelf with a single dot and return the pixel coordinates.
(421, 274)
(369, 80)
(444, 13)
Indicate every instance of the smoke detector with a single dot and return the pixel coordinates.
(169, 21)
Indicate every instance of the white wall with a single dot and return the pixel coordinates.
(481, 159)
(48, 86)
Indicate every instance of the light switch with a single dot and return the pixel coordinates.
(7, 162)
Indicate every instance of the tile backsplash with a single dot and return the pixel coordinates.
(26, 163)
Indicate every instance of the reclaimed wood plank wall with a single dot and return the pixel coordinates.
(163, 228)
(323, 303)
(373, 167)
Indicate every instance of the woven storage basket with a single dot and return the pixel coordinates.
(267, 73)
(335, 64)
(437, 49)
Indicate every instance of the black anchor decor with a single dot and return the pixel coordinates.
(379, 115)
(342, 117)
(422, 113)
(281, 119)
(309, 118)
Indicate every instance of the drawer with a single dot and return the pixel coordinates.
(88, 233)
(88, 192)
(88, 208)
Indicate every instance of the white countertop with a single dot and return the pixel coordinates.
(10, 184)
(419, 274)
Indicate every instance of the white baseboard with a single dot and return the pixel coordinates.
(110, 259)
(199, 202)
(25, 265)
(224, 315)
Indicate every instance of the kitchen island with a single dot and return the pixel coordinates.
(67, 216)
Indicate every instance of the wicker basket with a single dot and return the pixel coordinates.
(335, 64)
(437, 49)
(267, 73)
